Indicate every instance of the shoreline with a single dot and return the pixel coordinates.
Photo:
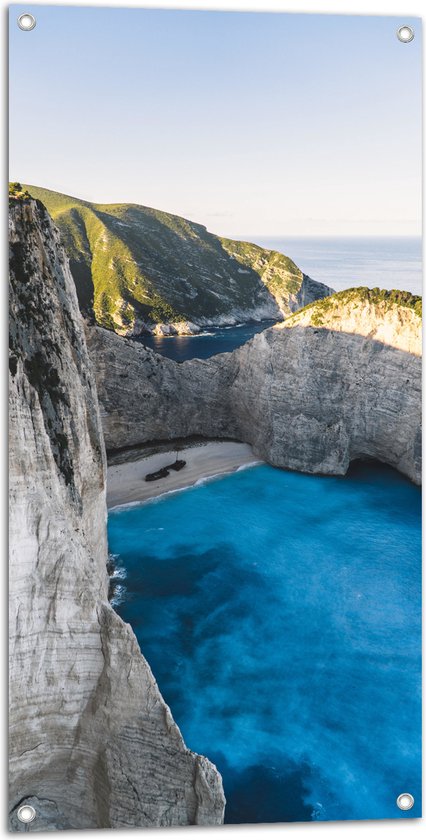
(192, 329)
(126, 483)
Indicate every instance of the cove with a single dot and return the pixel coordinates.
(180, 348)
(280, 614)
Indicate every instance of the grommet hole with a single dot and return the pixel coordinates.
(26, 813)
(405, 801)
(26, 22)
(405, 34)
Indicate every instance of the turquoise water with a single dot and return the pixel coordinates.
(280, 614)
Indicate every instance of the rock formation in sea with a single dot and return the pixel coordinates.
(138, 270)
(92, 742)
(337, 381)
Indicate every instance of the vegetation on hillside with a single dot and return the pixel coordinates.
(272, 266)
(355, 297)
(131, 261)
(16, 190)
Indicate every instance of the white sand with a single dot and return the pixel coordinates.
(126, 482)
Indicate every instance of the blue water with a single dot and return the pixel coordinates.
(389, 263)
(280, 614)
(206, 344)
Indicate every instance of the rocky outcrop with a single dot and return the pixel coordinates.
(92, 743)
(338, 381)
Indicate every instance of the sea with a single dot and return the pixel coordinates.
(387, 263)
(209, 343)
(280, 613)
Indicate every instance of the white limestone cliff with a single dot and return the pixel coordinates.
(337, 381)
(92, 742)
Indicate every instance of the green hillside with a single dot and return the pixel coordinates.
(136, 264)
(320, 310)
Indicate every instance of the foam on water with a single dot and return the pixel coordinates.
(203, 345)
(280, 614)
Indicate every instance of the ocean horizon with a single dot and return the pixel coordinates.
(345, 261)
(339, 262)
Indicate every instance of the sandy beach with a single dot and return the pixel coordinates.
(126, 482)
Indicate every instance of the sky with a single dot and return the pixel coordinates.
(254, 124)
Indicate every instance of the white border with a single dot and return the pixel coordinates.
(300, 831)
(414, 8)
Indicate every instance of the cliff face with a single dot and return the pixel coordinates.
(92, 743)
(338, 381)
(143, 269)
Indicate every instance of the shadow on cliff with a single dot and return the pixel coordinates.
(336, 396)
